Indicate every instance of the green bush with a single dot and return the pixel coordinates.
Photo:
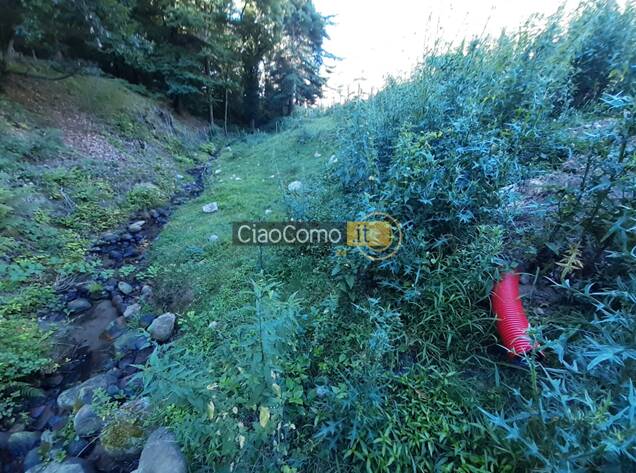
(145, 196)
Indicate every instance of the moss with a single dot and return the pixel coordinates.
(122, 436)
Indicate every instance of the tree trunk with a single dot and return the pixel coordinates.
(209, 94)
(227, 93)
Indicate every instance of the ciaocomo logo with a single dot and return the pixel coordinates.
(377, 236)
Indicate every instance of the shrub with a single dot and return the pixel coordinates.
(145, 196)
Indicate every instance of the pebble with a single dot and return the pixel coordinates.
(210, 208)
(137, 226)
(124, 287)
(295, 186)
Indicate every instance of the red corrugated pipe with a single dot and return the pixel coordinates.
(512, 323)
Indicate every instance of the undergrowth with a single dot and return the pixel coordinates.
(512, 153)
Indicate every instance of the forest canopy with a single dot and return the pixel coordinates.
(253, 59)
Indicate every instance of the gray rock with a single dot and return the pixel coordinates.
(131, 340)
(295, 186)
(124, 287)
(162, 327)
(132, 311)
(20, 443)
(146, 291)
(110, 237)
(136, 227)
(32, 458)
(77, 447)
(83, 393)
(213, 238)
(87, 422)
(79, 305)
(161, 454)
(210, 208)
(73, 465)
(114, 329)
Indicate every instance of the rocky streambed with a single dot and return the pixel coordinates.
(91, 416)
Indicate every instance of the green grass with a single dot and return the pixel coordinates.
(210, 285)
(265, 164)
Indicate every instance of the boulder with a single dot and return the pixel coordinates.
(87, 422)
(20, 443)
(162, 327)
(83, 393)
(161, 454)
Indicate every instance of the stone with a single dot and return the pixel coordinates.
(137, 226)
(146, 319)
(72, 465)
(110, 237)
(77, 306)
(20, 443)
(161, 454)
(146, 291)
(124, 287)
(56, 422)
(317, 154)
(130, 341)
(86, 422)
(162, 327)
(83, 393)
(213, 238)
(77, 447)
(268, 211)
(132, 311)
(114, 329)
(210, 208)
(32, 458)
(117, 302)
(116, 255)
(295, 186)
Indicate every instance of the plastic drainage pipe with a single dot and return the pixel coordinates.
(512, 323)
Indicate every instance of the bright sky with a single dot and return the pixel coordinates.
(376, 38)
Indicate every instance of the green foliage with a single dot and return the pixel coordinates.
(200, 54)
(24, 353)
(236, 389)
(145, 196)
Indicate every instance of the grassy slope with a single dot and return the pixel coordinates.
(210, 283)
(71, 152)
(265, 164)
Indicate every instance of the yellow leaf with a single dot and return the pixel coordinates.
(263, 416)
(276, 389)
(211, 410)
